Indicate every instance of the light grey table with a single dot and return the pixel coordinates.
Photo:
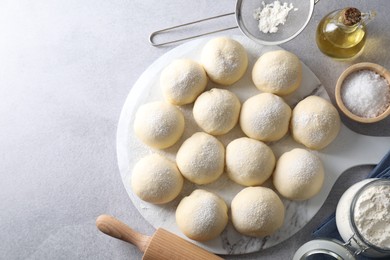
(66, 68)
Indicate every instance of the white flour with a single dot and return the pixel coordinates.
(372, 215)
(270, 16)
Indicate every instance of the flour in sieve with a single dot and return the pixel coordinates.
(270, 16)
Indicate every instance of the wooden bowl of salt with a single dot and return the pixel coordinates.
(363, 92)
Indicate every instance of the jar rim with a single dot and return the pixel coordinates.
(375, 182)
(325, 246)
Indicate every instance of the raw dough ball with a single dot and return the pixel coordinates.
(257, 211)
(217, 111)
(298, 175)
(278, 72)
(159, 124)
(156, 179)
(249, 162)
(201, 158)
(182, 81)
(265, 117)
(202, 215)
(315, 122)
(225, 60)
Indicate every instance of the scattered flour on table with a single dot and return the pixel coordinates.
(270, 16)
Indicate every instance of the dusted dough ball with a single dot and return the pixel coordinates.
(202, 215)
(217, 111)
(201, 158)
(225, 60)
(182, 81)
(257, 211)
(249, 162)
(159, 124)
(315, 122)
(278, 72)
(155, 179)
(298, 175)
(265, 117)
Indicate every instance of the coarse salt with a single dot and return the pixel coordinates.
(366, 93)
(270, 16)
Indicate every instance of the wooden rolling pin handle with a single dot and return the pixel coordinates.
(115, 228)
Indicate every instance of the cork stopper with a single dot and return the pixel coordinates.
(351, 16)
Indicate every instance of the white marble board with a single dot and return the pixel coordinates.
(347, 150)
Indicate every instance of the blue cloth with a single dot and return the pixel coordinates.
(328, 227)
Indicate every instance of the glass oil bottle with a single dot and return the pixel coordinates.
(342, 33)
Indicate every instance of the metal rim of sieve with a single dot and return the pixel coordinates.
(261, 38)
(240, 20)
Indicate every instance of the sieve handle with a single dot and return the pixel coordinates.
(153, 34)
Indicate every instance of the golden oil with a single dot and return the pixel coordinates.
(340, 36)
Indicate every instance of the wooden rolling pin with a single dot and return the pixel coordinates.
(163, 245)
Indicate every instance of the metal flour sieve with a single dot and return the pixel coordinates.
(295, 24)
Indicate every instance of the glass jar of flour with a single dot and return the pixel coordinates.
(363, 221)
